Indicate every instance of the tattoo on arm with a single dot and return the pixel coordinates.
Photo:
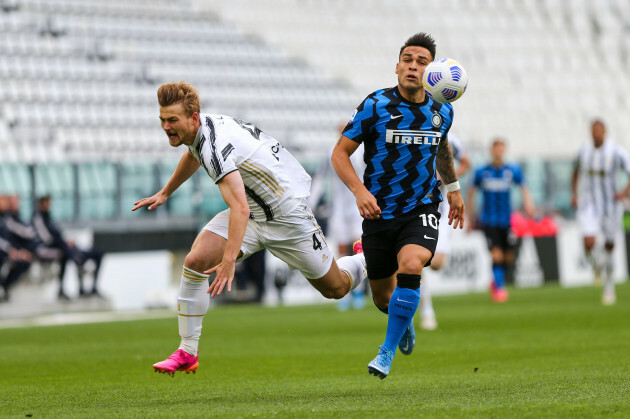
(444, 162)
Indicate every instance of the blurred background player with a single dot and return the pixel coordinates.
(266, 190)
(344, 221)
(50, 234)
(495, 181)
(399, 195)
(599, 210)
(443, 248)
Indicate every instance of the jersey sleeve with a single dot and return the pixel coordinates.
(624, 159)
(217, 154)
(518, 178)
(449, 115)
(361, 125)
(477, 178)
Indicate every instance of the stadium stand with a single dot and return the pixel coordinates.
(78, 82)
(539, 70)
(78, 117)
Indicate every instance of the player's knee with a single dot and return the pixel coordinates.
(411, 266)
(194, 262)
(334, 293)
(381, 301)
(437, 262)
(589, 243)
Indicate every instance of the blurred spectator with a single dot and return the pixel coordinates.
(15, 250)
(495, 180)
(51, 236)
(599, 208)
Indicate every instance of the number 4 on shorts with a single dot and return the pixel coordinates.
(317, 245)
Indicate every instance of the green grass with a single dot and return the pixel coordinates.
(549, 352)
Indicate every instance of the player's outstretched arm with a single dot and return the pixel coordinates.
(233, 192)
(446, 168)
(470, 204)
(574, 182)
(340, 159)
(625, 164)
(528, 202)
(187, 166)
(457, 209)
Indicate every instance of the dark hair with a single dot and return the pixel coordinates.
(420, 39)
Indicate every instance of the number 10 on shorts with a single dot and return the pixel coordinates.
(429, 220)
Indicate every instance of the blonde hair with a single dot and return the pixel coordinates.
(171, 93)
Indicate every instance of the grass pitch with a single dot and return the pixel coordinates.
(549, 352)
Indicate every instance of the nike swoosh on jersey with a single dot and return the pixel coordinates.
(429, 238)
(395, 116)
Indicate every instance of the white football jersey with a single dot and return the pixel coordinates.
(275, 182)
(598, 172)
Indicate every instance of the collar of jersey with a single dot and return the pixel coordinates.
(401, 97)
(197, 137)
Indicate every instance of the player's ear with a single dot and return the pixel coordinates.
(396, 69)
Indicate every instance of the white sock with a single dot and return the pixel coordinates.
(592, 260)
(607, 264)
(354, 266)
(192, 305)
(426, 303)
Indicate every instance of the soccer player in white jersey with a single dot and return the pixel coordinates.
(443, 248)
(599, 210)
(265, 189)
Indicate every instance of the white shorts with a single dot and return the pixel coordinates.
(295, 238)
(445, 231)
(594, 222)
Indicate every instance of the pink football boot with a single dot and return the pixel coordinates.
(179, 361)
(498, 295)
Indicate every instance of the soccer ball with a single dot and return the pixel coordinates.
(445, 80)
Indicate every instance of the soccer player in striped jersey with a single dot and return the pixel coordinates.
(405, 135)
(265, 189)
(594, 192)
(495, 181)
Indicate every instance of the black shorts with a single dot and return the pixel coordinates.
(500, 237)
(383, 239)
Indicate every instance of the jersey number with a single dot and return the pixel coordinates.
(317, 245)
(430, 220)
(251, 128)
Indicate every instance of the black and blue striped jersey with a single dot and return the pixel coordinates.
(495, 184)
(401, 141)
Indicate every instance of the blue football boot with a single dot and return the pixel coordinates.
(408, 340)
(381, 365)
